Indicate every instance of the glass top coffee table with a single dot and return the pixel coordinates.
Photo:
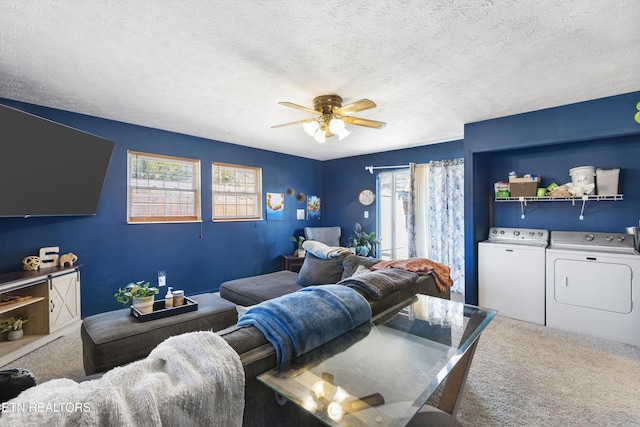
(382, 373)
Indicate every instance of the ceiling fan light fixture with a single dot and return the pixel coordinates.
(320, 136)
(310, 128)
(337, 126)
(332, 117)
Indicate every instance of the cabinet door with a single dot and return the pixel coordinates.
(64, 300)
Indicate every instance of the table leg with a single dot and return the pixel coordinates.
(446, 412)
(453, 388)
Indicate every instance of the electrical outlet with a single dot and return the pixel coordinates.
(162, 278)
(366, 214)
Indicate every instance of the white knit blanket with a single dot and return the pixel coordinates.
(194, 379)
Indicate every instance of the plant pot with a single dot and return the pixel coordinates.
(15, 335)
(144, 304)
(301, 253)
(362, 250)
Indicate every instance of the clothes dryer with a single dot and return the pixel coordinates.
(593, 285)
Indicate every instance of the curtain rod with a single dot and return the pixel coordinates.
(372, 168)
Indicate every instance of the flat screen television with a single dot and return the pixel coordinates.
(48, 169)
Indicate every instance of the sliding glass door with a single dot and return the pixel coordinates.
(393, 199)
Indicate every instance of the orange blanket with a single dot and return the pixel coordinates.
(422, 266)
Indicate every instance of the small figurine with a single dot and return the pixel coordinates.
(31, 263)
(68, 258)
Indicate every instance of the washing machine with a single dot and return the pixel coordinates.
(511, 273)
(593, 285)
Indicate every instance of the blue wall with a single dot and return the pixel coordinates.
(196, 256)
(345, 178)
(547, 142)
(601, 133)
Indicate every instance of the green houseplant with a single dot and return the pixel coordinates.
(300, 252)
(13, 325)
(363, 242)
(141, 293)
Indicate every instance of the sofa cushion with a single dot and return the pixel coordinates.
(351, 262)
(255, 289)
(115, 338)
(316, 271)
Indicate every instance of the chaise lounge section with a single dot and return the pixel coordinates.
(253, 290)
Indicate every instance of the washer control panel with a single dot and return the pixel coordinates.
(524, 236)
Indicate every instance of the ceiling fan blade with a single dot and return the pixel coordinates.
(354, 107)
(364, 122)
(298, 122)
(299, 107)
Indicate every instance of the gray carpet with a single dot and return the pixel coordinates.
(522, 375)
(61, 358)
(530, 375)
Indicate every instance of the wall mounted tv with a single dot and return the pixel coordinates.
(48, 169)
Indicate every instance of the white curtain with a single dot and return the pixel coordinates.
(438, 215)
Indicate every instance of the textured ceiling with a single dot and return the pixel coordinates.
(216, 69)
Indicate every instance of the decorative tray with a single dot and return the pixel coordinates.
(159, 310)
(13, 299)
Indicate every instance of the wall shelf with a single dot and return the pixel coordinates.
(584, 199)
(9, 307)
(30, 342)
(559, 199)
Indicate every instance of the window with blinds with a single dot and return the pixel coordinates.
(162, 188)
(236, 192)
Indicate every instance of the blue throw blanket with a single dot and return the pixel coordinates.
(301, 321)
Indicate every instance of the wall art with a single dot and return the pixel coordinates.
(275, 206)
(313, 207)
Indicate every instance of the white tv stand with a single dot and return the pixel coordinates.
(53, 308)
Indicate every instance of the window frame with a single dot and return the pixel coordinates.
(257, 193)
(196, 189)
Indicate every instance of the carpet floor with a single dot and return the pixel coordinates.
(522, 375)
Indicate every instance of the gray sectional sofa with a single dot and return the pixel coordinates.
(256, 353)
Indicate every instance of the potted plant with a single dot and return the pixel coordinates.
(363, 242)
(141, 293)
(300, 252)
(14, 327)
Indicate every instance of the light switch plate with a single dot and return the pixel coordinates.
(162, 278)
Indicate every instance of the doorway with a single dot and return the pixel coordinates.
(393, 196)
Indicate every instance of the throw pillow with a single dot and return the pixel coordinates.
(317, 271)
(351, 262)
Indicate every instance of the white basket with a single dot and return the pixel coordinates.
(583, 176)
(607, 181)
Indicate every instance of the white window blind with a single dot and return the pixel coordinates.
(236, 192)
(163, 188)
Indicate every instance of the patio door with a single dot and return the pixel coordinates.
(393, 199)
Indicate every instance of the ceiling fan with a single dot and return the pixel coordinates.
(331, 117)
